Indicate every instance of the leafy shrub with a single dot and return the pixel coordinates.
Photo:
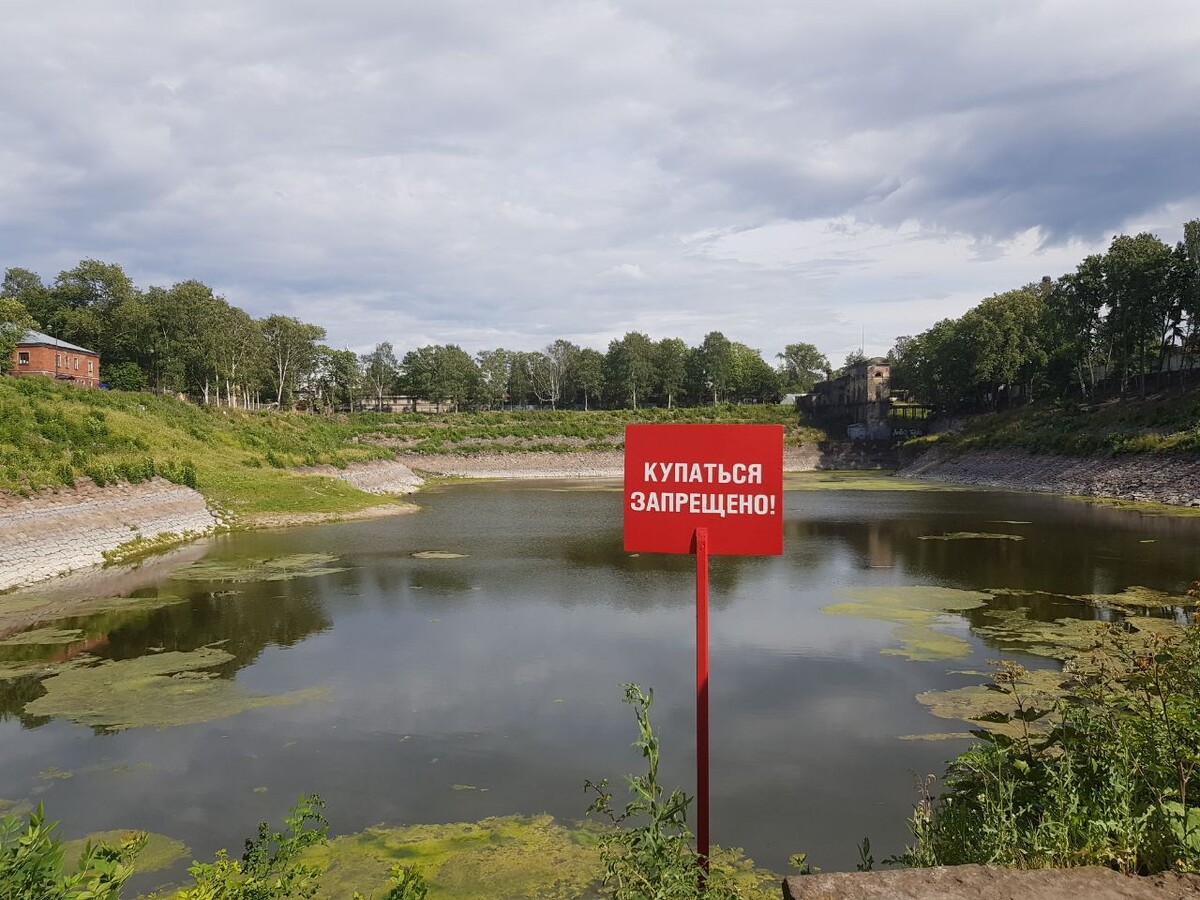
(179, 472)
(126, 376)
(32, 865)
(271, 867)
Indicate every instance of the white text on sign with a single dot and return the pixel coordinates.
(703, 504)
(703, 473)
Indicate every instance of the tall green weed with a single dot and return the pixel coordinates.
(648, 852)
(1106, 776)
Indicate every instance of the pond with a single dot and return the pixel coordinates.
(467, 661)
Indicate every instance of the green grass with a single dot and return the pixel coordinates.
(1155, 424)
(245, 462)
(52, 434)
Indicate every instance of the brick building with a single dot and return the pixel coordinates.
(41, 354)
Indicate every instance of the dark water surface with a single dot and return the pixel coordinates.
(491, 684)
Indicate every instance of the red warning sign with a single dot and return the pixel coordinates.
(726, 478)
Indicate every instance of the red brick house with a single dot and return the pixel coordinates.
(41, 354)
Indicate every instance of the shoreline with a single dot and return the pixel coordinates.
(80, 531)
(1170, 480)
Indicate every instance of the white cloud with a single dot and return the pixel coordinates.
(516, 172)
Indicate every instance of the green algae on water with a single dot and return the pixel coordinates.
(1136, 597)
(878, 480)
(248, 569)
(43, 637)
(916, 609)
(1038, 687)
(511, 856)
(125, 604)
(156, 691)
(12, 670)
(160, 852)
(514, 857)
(1063, 639)
(971, 536)
(925, 644)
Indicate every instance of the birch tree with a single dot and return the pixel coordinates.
(290, 348)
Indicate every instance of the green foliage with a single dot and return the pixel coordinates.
(801, 366)
(1126, 316)
(406, 883)
(272, 867)
(126, 376)
(1106, 778)
(1132, 425)
(32, 866)
(648, 855)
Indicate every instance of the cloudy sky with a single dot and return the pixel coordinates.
(506, 173)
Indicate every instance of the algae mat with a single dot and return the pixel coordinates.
(857, 480)
(1037, 687)
(43, 637)
(249, 569)
(156, 691)
(513, 857)
(915, 609)
(161, 852)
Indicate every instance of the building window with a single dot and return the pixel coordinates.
(22, 358)
(77, 364)
(57, 360)
(90, 367)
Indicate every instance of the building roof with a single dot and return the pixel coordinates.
(37, 338)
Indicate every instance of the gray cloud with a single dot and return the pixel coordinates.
(510, 173)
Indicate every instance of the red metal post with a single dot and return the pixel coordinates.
(702, 697)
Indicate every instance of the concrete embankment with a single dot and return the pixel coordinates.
(1171, 479)
(61, 531)
(990, 883)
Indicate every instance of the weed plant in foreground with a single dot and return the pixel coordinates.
(1107, 777)
(274, 865)
(647, 854)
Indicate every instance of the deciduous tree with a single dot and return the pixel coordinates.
(291, 348)
(629, 367)
(380, 369)
(670, 362)
(801, 366)
(14, 322)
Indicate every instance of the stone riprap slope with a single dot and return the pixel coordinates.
(383, 476)
(1157, 478)
(61, 531)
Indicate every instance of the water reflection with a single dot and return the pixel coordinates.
(502, 668)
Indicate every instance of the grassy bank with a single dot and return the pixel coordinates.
(244, 462)
(1154, 424)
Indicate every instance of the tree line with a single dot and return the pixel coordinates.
(1123, 318)
(187, 339)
